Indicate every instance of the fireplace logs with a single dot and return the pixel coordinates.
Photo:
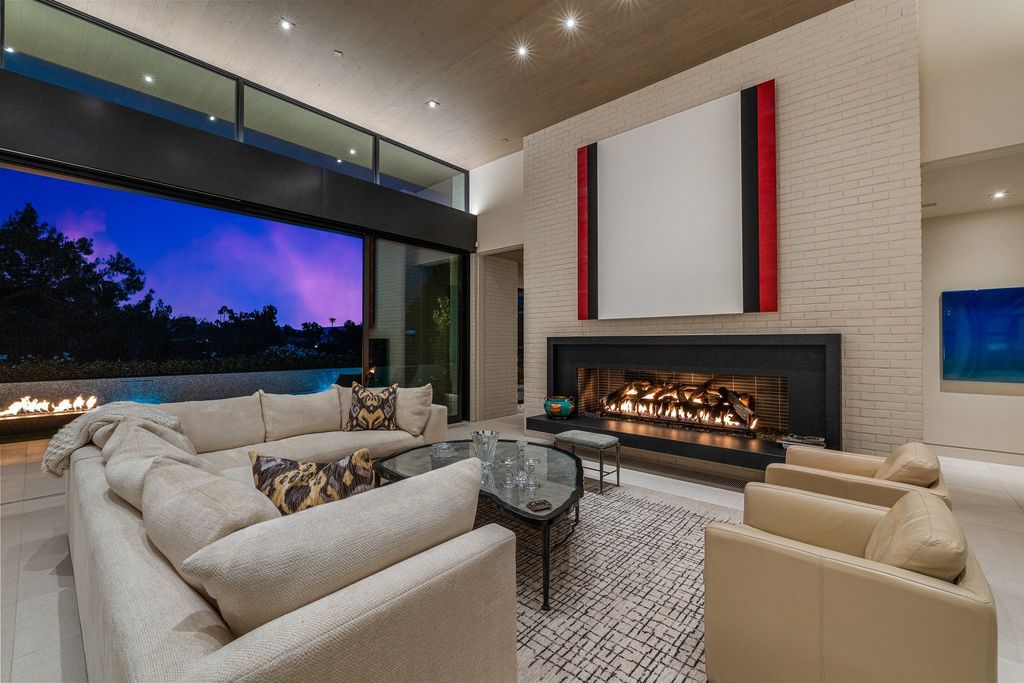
(703, 405)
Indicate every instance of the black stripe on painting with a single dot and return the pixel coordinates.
(748, 170)
(592, 231)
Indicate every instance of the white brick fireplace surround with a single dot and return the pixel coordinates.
(849, 208)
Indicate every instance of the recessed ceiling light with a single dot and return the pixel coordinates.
(570, 22)
(285, 24)
(339, 54)
(147, 78)
(9, 49)
(522, 50)
(998, 194)
(352, 151)
(433, 104)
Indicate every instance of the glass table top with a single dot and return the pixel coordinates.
(560, 475)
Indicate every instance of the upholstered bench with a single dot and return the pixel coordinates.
(577, 438)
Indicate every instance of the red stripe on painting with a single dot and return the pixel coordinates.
(768, 250)
(583, 242)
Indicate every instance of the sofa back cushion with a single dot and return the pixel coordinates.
(186, 509)
(412, 406)
(220, 424)
(132, 449)
(912, 463)
(920, 534)
(287, 415)
(265, 571)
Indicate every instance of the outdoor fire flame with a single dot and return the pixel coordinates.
(27, 406)
(719, 408)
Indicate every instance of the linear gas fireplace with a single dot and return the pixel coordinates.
(732, 399)
(731, 404)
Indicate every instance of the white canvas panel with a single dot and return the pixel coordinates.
(670, 216)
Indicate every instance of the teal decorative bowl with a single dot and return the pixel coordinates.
(560, 407)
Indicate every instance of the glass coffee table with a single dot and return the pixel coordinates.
(558, 473)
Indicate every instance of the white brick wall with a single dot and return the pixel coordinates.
(849, 207)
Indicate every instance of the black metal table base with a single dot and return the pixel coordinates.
(546, 546)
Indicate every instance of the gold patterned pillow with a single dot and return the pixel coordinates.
(372, 410)
(292, 486)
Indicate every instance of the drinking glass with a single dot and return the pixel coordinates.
(508, 459)
(520, 480)
(485, 442)
(531, 470)
(444, 449)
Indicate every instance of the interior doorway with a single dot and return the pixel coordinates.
(499, 299)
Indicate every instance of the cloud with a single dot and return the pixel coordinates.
(92, 224)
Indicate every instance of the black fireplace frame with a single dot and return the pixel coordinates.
(811, 363)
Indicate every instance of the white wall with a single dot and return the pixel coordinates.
(970, 251)
(972, 76)
(496, 197)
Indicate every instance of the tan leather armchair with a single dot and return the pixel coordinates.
(789, 596)
(850, 475)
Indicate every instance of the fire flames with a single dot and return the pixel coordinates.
(702, 405)
(27, 406)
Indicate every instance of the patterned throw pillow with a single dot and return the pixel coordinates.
(294, 486)
(372, 410)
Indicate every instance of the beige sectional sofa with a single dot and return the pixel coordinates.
(442, 608)
(306, 427)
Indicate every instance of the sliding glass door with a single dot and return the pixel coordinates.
(414, 323)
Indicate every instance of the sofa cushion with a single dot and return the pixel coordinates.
(292, 414)
(270, 569)
(920, 534)
(140, 620)
(372, 410)
(413, 406)
(131, 451)
(294, 486)
(186, 509)
(912, 463)
(222, 423)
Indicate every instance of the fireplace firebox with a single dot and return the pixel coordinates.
(731, 404)
(732, 399)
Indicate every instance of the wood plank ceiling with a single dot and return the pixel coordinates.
(398, 54)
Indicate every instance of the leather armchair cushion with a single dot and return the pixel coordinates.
(912, 463)
(920, 534)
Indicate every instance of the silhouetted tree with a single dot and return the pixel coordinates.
(52, 294)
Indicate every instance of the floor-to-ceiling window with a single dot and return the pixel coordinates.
(414, 323)
(99, 282)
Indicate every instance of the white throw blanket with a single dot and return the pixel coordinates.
(82, 430)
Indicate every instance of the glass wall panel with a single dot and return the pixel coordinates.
(414, 327)
(415, 174)
(100, 282)
(48, 44)
(280, 126)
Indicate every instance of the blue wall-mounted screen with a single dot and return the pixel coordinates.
(983, 335)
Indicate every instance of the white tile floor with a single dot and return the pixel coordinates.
(41, 635)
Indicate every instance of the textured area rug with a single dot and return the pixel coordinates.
(627, 595)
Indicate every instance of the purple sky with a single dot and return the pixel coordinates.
(199, 259)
